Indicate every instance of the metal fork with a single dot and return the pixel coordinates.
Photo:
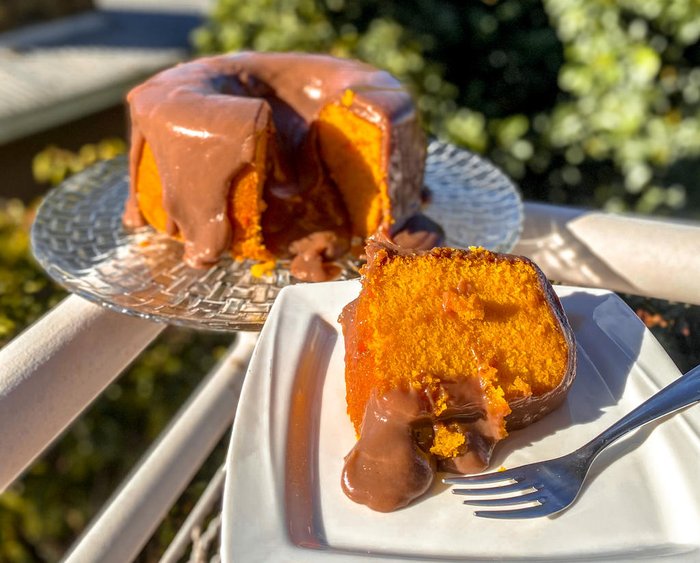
(547, 487)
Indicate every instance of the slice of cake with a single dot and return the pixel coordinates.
(446, 350)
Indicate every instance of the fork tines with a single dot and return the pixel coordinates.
(520, 501)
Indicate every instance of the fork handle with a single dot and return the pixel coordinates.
(682, 392)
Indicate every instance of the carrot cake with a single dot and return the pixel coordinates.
(446, 350)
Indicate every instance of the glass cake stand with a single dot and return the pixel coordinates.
(79, 239)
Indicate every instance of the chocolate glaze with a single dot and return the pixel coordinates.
(386, 470)
(313, 256)
(419, 232)
(202, 120)
(391, 464)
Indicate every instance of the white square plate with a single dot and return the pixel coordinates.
(283, 500)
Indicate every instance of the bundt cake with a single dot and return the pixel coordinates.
(445, 351)
(254, 152)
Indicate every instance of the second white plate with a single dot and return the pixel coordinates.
(283, 499)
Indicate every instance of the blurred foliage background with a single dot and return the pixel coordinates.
(588, 102)
(585, 102)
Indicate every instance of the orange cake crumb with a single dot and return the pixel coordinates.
(446, 442)
(261, 269)
(352, 150)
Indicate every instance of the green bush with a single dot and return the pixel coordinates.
(25, 292)
(54, 164)
(582, 101)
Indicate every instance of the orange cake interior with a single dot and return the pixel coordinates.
(246, 205)
(352, 149)
(149, 191)
(449, 315)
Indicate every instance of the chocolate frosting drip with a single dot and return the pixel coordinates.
(419, 232)
(202, 120)
(386, 470)
(313, 256)
(391, 463)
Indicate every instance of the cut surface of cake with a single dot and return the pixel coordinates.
(446, 350)
(252, 153)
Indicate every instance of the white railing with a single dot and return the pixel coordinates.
(624, 253)
(51, 372)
